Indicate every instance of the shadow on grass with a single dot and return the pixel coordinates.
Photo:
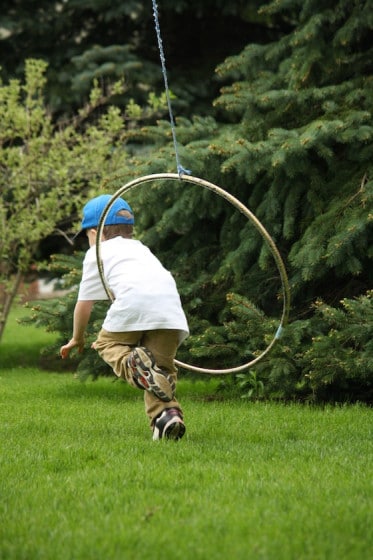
(25, 354)
(113, 389)
(108, 388)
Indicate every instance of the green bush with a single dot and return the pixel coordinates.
(56, 315)
(325, 357)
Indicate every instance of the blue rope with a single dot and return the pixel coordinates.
(180, 169)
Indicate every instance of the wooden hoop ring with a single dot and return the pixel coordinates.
(249, 215)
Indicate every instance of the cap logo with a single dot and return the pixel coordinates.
(124, 214)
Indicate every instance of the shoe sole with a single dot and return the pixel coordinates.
(174, 430)
(153, 381)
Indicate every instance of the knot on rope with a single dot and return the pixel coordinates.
(182, 171)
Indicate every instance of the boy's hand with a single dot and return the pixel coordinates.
(65, 350)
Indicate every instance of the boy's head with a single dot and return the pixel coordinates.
(119, 220)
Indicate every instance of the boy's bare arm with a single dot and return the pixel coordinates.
(82, 314)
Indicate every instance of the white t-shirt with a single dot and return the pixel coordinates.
(146, 296)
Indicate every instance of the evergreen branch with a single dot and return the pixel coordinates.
(359, 192)
(65, 236)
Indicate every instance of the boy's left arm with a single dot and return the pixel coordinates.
(82, 313)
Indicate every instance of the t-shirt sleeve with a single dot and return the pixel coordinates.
(91, 287)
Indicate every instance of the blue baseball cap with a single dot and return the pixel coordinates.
(120, 212)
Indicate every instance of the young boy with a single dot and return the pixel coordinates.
(144, 325)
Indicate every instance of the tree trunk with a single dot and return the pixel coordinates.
(8, 299)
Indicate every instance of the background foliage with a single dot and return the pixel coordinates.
(285, 124)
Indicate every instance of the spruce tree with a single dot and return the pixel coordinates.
(111, 39)
(292, 139)
(303, 143)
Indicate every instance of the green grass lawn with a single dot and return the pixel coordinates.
(80, 477)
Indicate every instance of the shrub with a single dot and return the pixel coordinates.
(325, 357)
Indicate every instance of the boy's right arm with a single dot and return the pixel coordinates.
(82, 314)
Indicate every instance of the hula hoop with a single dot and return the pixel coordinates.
(249, 215)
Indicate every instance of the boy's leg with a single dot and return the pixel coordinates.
(130, 360)
(116, 348)
(163, 344)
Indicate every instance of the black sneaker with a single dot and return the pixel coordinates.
(148, 376)
(169, 425)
